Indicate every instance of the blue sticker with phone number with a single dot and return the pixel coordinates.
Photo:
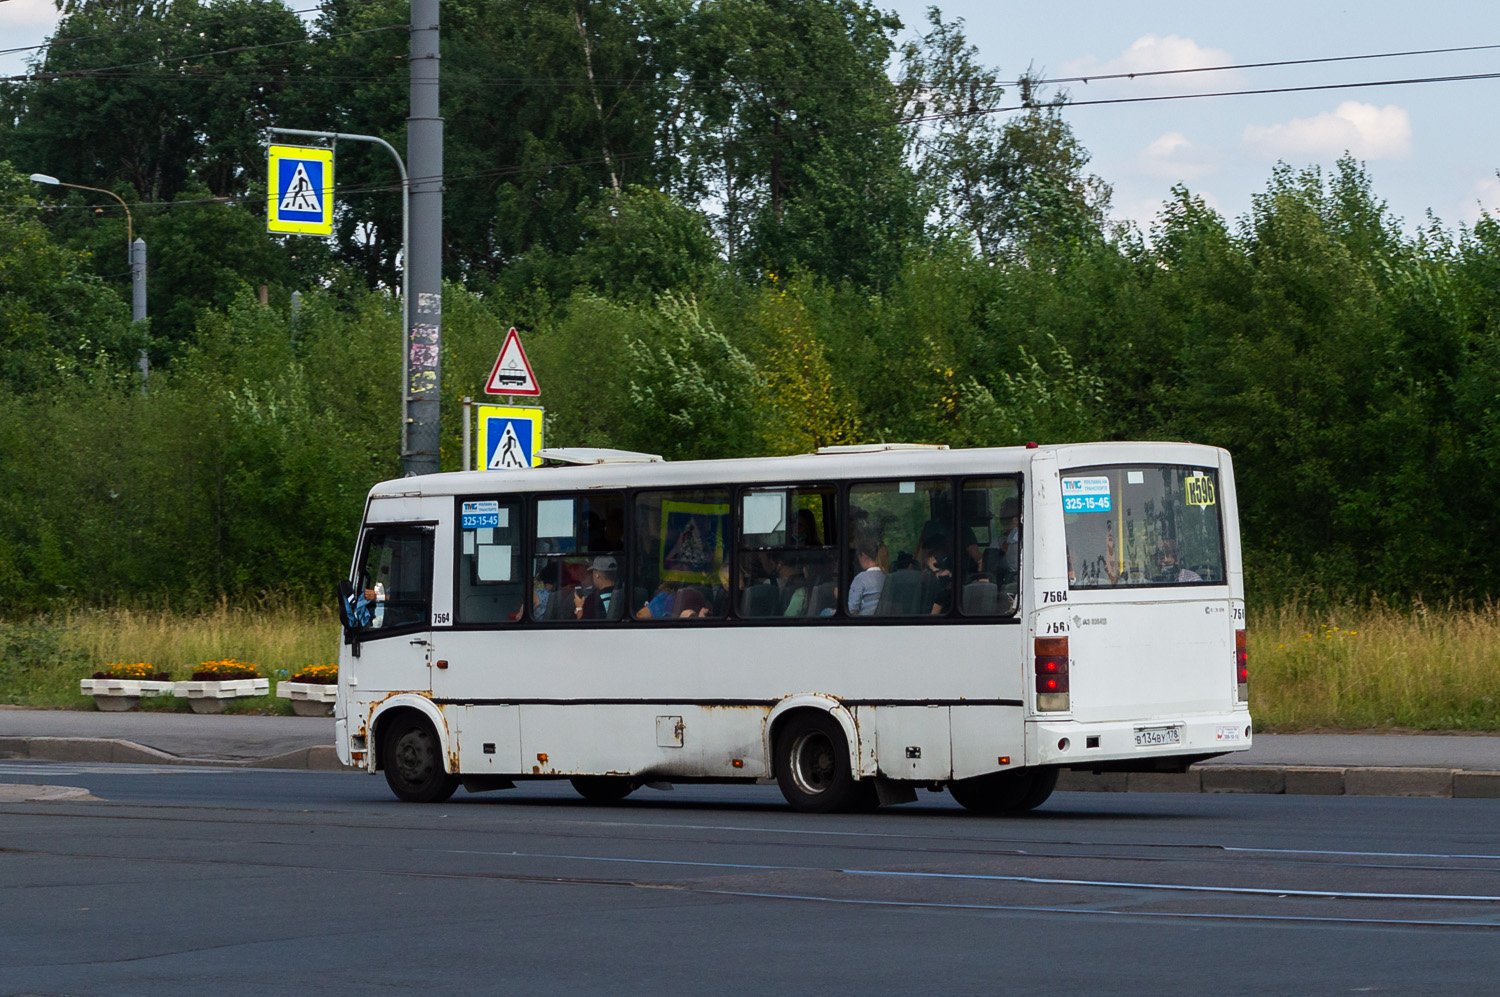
(479, 515)
(1089, 494)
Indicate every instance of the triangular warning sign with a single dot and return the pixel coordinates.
(512, 374)
(300, 194)
(509, 455)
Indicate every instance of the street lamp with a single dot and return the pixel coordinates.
(129, 227)
(135, 253)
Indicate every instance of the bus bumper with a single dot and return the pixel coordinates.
(1162, 744)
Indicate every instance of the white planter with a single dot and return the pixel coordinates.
(211, 697)
(118, 695)
(309, 699)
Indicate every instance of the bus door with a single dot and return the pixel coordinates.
(395, 645)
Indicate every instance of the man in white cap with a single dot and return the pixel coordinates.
(599, 604)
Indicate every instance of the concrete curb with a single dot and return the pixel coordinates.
(1293, 780)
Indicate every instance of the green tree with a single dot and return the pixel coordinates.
(1006, 182)
(57, 321)
(131, 92)
(794, 135)
(692, 393)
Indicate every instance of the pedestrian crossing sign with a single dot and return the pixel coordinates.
(509, 437)
(300, 201)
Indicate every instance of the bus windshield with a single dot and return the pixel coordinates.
(1143, 525)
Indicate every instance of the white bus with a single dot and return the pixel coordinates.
(852, 625)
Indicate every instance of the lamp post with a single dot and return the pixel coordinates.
(135, 253)
(129, 226)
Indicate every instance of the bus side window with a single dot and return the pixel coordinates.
(490, 582)
(681, 567)
(578, 574)
(991, 525)
(396, 576)
(907, 566)
(788, 552)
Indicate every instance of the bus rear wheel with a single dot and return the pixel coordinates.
(603, 788)
(812, 767)
(414, 763)
(1005, 792)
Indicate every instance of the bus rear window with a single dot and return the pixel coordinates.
(1143, 525)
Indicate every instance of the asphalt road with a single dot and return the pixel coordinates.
(187, 880)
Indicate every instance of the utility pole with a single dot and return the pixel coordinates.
(424, 156)
(138, 299)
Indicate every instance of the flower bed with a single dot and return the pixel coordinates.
(215, 682)
(119, 686)
(225, 670)
(317, 675)
(312, 690)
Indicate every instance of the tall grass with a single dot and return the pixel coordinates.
(41, 660)
(1374, 667)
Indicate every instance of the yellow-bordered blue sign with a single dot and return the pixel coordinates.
(301, 195)
(509, 437)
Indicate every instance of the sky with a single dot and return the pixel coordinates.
(1427, 146)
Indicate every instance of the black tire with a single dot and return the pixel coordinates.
(812, 766)
(603, 788)
(1006, 792)
(413, 762)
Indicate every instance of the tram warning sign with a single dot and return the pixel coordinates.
(512, 374)
(300, 201)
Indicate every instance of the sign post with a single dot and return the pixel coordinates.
(405, 236)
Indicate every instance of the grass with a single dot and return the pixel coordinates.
(42, 660)
(1375, 668)
(1361, 668)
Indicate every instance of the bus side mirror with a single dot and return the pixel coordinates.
(354, 612)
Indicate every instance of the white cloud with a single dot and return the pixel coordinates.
(1483, 196)
(29, 14)
(1363, 130)
(1150, 54)
(1146, 211)
(24, 23)
(1172, 157)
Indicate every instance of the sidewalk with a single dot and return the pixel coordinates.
(168, 738)
(1321, 764)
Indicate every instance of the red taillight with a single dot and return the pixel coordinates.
(1051, 666)
(1241, 669)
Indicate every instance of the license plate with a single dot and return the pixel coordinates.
(1150, 737)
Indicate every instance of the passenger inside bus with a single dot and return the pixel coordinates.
(864, 591)
(546, 588)
(599, 603)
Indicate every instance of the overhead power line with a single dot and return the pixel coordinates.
(1142, 74)
(538, 168)
(153, 27)
(1194, 96)
(79, 73)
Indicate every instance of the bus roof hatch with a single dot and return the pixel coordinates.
(881, 447)
(597, 455)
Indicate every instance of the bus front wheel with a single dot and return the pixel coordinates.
(414, 763)
(1005, 792)
(603, 788)
(812, 766)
